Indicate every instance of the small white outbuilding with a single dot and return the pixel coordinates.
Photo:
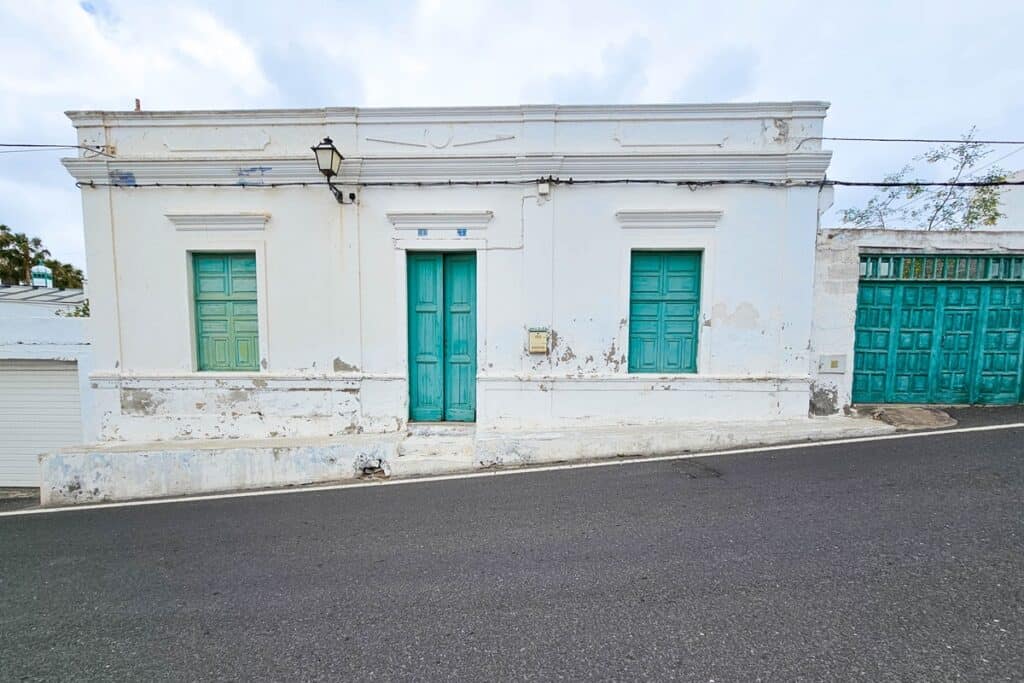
(41, 388)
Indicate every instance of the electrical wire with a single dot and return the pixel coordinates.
(927, 140)
(34, 147)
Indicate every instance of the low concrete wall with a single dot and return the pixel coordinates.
(110, 473)
(86, 475)
(836, 278)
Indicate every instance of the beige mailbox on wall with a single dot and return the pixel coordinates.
(538, 340)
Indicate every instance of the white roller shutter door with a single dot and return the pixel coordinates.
(39, 411)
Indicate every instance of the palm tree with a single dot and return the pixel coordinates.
(20, 253)
(65, 275)
(8, 267)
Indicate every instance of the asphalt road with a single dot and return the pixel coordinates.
(886, 560)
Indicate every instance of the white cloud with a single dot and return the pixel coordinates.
(888, 68)
(61, 57)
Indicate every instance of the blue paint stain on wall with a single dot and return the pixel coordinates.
(252, 175)
(122, 178)
(254, 171)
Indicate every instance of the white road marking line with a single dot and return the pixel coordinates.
(526, 469)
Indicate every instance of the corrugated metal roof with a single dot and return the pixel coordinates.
(41, 295)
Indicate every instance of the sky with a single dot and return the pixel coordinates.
(890, 68)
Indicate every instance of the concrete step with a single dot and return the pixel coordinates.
(455, 429)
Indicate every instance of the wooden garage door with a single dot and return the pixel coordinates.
(939, 329)
(39, 411)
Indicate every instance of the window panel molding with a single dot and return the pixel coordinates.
(659, 219)
(241, 220)
(445, 220)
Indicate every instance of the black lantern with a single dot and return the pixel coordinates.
(328, 160)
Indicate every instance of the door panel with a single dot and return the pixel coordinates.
(1000, 354)
(873, 337)
(426, 372)
(460, 337)
(914, 339)
(959, 321)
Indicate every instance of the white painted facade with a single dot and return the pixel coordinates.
(1011, 204)
(332, 278)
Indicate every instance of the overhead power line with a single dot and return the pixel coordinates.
(930, 140)
(36, 147)
(927, 140)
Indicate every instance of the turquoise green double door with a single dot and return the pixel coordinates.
(442, 336)
(925, 342)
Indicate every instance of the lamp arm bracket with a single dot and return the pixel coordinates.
(340, 195)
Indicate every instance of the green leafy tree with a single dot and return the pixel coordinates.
(8, 268)
(65, 275)
(949, 207)
(79, 311)
(19, 252)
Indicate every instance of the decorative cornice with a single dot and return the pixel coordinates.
(351, 115)
(668, 219)
(219, 221)
(415, 220)
(256, 171)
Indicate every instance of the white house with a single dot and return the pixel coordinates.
(44, 365)
(510, 268)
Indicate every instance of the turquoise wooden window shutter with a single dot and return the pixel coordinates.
(664, 310)
(227, 329)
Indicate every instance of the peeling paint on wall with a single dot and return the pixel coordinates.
(342, 366)
(259, 408)
(824, 399)
(743, 317)
(139, 402)
(567, 355)
(612, 359)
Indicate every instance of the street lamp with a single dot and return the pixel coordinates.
(328, 160)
